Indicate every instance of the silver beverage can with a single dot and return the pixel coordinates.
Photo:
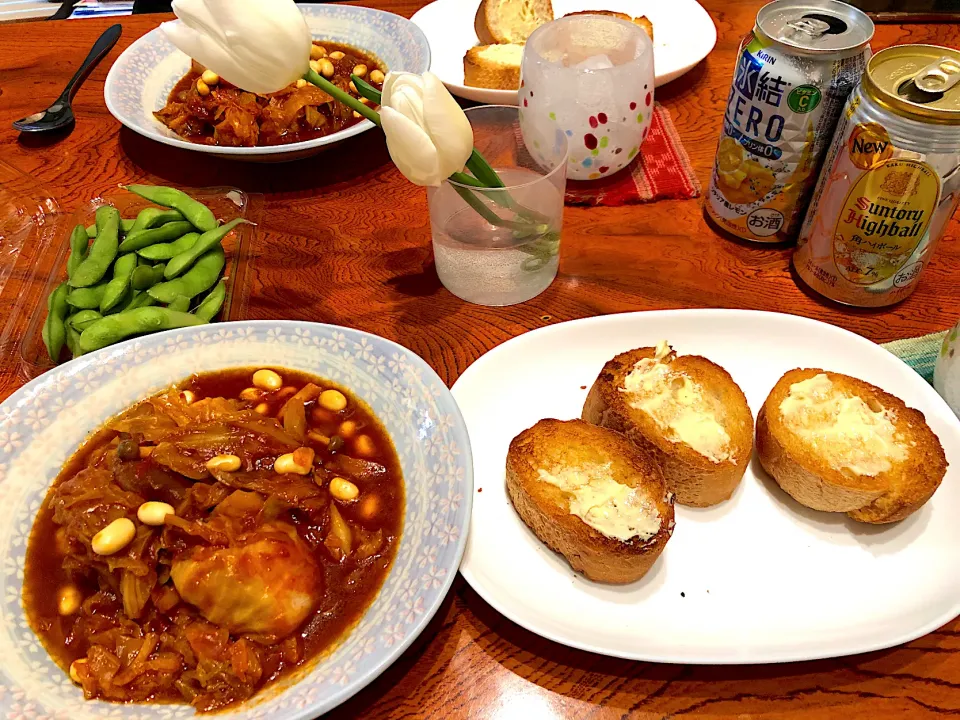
(891, 180)
(794, 73)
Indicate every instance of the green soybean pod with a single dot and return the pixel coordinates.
(118, 327)
(139, 239)
(82, 319)
(181, 262)
(196, 212)
(138, 300)
(54, 330)
(165, 251)
(79, 243)
(152, 217)
(122, 270)
(146, 276)
(87, 298)
(197, 279)
(73, 342)
(125, 226)
(102, 252)
(209, 307)
(180, 304)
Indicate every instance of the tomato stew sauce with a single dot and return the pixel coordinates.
(256, 573)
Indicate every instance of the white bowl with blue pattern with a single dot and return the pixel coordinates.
(44, 422)
(141, 79)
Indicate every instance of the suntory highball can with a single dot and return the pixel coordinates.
(891, 180)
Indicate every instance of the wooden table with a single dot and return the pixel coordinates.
(344, 239)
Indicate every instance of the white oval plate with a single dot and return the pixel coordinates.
(683, 35)
(141, 79)
(756, 579)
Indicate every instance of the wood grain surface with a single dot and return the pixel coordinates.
(344, 239)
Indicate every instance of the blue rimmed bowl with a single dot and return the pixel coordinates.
(44, 422)
(141, 79)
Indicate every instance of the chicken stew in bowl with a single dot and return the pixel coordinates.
(204, 108)
(214, 537)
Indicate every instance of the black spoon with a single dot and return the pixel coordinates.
(60, 114)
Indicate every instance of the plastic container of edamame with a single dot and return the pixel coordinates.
(39, 229)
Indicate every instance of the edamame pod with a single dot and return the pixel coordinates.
(200, 277)
(79, 243)
(83, 319)
(122, 270)
(54, 330)
(145, 276)
(138, 239)
(102, 252)
(133, 322)
(87, 298)
(165, 251)
(180, 304)
(209, 307)
(140, 299)
(199, 215)
(125, 226)
(181, 262)
(73, 342)
(152, 217)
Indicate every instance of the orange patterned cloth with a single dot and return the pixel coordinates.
(661, 171)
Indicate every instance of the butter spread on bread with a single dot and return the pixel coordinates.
(678, 405)
(849, 432)
(614, 509)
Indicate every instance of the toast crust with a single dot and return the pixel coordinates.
(695, 479)
(545, 508)
(809, 477)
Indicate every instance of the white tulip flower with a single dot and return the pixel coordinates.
(258, 45)
(428, 134)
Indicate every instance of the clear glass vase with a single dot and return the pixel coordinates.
(501, 246)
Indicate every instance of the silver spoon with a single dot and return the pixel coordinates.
(60, 114)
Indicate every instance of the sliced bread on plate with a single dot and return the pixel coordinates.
(493, 66)
(510, 21)
(591, 495)
(642, 21)
(839, 444)
(685, 411)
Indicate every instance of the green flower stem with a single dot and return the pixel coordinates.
(347, 99)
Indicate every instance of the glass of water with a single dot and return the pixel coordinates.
(502, 246)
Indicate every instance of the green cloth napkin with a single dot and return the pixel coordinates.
(920, 353)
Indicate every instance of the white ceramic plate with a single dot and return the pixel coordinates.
(683, 35)
(756, 579)
(141, 79)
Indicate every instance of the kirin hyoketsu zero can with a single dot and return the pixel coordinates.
(793, 75)
(891, 180)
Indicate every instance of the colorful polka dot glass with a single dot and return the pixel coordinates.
(591, 78)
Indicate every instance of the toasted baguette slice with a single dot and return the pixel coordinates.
(510, 21)
(874, 458)
(613, 543)
(684, 433)
(642, 21)
(493, 66)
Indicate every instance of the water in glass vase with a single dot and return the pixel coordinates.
(498, 265)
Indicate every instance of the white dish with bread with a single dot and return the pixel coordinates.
(477, 54)
(849, 545)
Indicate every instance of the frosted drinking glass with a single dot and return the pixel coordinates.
(591, 77)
